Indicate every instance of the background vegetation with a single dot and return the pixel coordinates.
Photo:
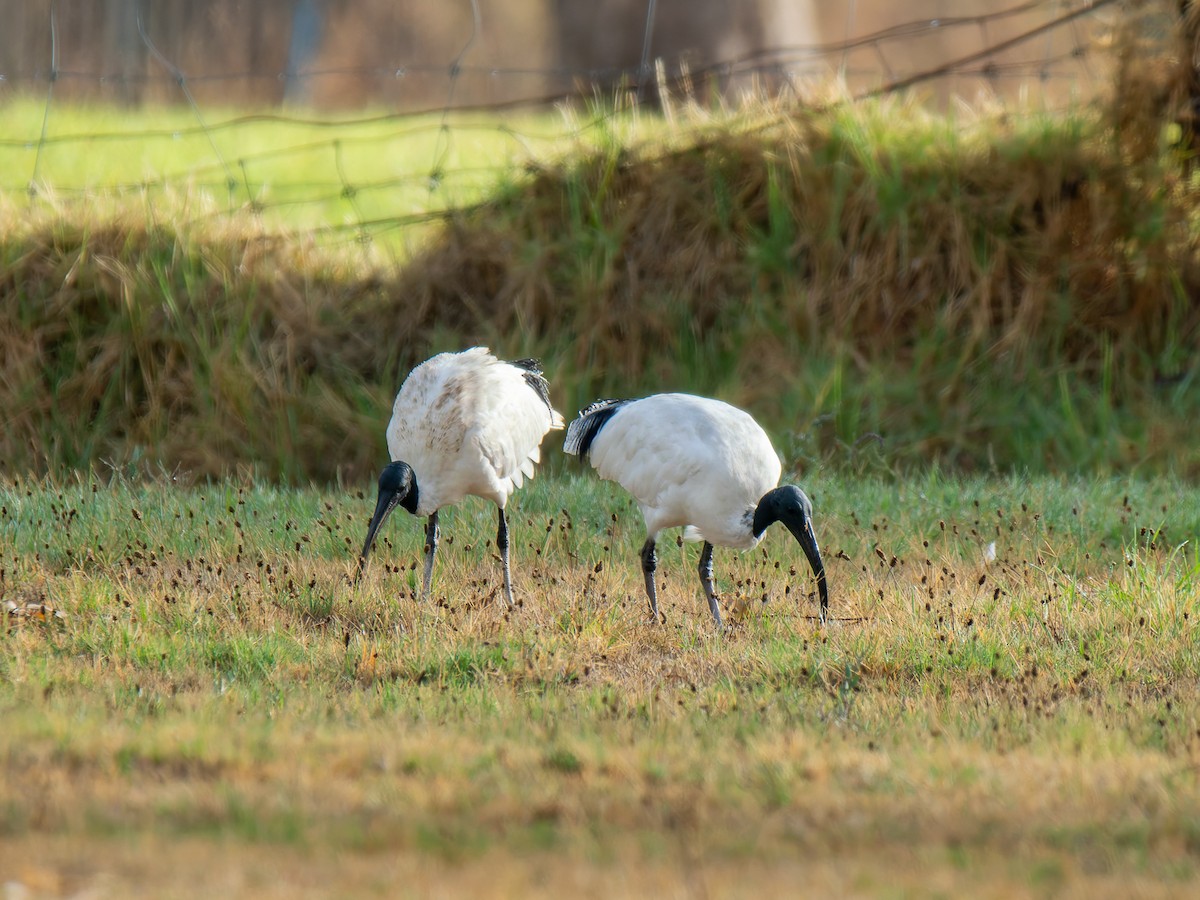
(973, 338)
(883, 286)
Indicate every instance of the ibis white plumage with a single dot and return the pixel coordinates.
(700, 463)
(462, 424)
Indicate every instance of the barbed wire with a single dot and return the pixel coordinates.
(363, 208)
(991, 51)
(179, 78)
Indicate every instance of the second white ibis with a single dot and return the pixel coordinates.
(699, 463)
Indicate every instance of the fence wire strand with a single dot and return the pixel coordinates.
(179, 78)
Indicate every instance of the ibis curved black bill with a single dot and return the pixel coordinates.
(397, 487)
(791, 506)
(808, 543)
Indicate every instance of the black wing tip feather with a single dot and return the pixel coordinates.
(532, 372)
(592, 418)
(529, 364)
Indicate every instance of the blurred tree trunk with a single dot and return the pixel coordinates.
(123, 52)
(601, 42)
(307, 21)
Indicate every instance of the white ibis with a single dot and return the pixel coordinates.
(463, 423)
(699, 463)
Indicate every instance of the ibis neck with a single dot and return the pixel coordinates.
(411, 499)
(761, 518)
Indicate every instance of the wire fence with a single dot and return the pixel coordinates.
(142, 113)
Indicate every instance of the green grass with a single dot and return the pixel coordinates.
(341, 177)
(210, 682)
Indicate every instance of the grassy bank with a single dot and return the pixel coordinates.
(992, 290)
(881, 286)
(214, 681)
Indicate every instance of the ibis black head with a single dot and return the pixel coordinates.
(791, 506)
(397, 487)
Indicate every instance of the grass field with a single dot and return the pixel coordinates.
(377, 174)
(217, 709)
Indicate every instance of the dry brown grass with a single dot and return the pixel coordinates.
(191, 868)
(873, 229)
(125, 341)
(720, 266)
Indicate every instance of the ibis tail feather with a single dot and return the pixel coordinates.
(582, 431)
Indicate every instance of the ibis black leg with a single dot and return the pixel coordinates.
(502, 546)
(431, 542)
(649, 565)
(706, 581)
